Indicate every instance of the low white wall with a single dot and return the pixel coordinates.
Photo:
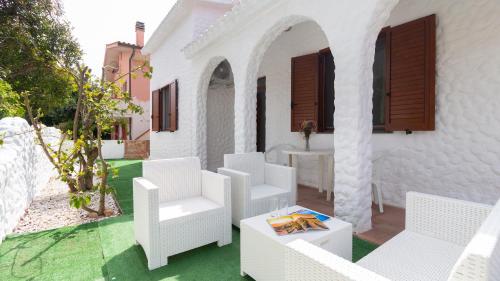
(24, 169)
(113, 149)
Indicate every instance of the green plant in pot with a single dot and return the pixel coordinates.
(306, 129)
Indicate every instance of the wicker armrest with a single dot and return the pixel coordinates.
(240, 193)
(282, 177)
(307, 262)
(146, 218)
(216, 187)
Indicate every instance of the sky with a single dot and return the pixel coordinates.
(99, 22)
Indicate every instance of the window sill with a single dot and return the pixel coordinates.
(375, 131)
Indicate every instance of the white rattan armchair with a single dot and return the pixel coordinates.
(444, 239)
(254, 183)
(179, 207)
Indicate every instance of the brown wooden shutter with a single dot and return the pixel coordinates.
(305, 75)
(173, 106)
(155, 111)
(411, 97)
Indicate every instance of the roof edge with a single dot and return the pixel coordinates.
(167, 25)
(239, 15)
(170, 21)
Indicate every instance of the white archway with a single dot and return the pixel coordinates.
(353, 54)
(353, 46)
(220, 139)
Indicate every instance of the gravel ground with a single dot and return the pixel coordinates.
(50, 209)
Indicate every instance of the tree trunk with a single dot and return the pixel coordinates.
(88, 183)
(104, 175)
(72, 188)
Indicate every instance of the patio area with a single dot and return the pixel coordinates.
(106, 250)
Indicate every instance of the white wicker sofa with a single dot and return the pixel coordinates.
(254, 183)
(444, 239)
(179, 207)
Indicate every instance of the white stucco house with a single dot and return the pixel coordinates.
(406, 93)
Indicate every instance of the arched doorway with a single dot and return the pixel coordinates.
(298, 67)
(220, 115)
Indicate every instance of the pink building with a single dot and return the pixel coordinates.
(120, 58)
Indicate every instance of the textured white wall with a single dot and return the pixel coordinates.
(461, 158)
(302, 39)
(24, 169)
(220, 125)
(244, 48)
(169, 63)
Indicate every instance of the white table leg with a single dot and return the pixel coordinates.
(295, 162)
(321, 160)
(329, 181)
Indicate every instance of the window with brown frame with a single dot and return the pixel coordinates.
(313, 92)
(410, 89)
(326, 91)
(164, 108)
(403, 81)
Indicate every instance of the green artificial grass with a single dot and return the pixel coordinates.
(106, 250)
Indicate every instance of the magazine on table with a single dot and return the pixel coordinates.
(319, 216)
(298, 222)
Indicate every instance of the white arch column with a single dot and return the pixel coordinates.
(354, 51)
(352, 139)
(245, 108)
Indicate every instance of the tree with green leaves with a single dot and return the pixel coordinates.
(99, 103)
(41, 61)
(36, 44)
(10, 102)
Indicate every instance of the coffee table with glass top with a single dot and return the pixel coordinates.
(263, 251)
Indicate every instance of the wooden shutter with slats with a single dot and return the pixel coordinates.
(305, 75)
(174, 89)
(411, 96)
(155, 111)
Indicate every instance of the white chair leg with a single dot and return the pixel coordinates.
(377, 197)
(321, 162)
(329, 181)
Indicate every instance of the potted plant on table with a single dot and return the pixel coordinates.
(306, 129)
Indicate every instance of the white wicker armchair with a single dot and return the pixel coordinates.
(254, 183)
(444, 239)
(179, 207)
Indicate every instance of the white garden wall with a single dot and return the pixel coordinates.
(461, 158)
(24, 169)
(113, 149)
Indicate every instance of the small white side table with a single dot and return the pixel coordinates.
(321, 154)
(263, 251)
